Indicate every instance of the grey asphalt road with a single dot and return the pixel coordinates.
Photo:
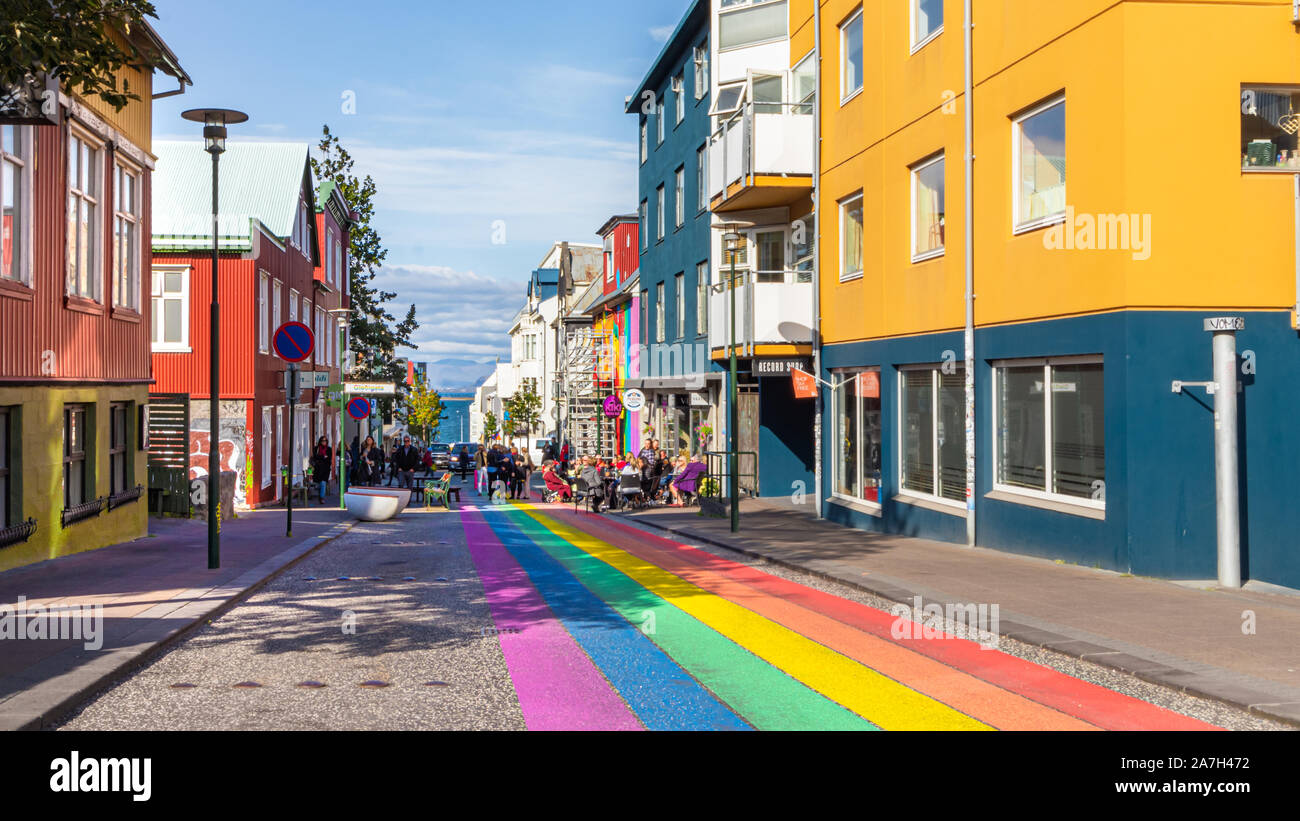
(405, 642)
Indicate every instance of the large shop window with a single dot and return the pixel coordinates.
(1270, 125)
(1040, 165)
(1051, 442)
(855, 403)
(932, 429)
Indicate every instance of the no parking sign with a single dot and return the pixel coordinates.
(359, 408)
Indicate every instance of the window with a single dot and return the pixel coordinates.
(126, 236)
(679, 289)
(279, 445)
(609, 258)
(7, 516)
(659, 213)
(293, 304)
(659, 312)
(84, 278)
(803, 79)
(119, 469)
(770, 247)
(266, 447)
(701, 71)
(927, 21)
(276, 314)
(75, 490)
(932, 430)
(15, 203)
(729, 100)
(263, 317)
(855, 409)
(851, 237)
(1051, 443)
(339, 271)
(851, 56)
(322, 350)
(329, 256)
(803, 241)
(702, 298)
(1039, 162)
(679, 196)
(645, 317)
(759, 23)
(701, 178)
(659, 121)
(169, 288)
(643, 228)
(927, 209)
(645, 140)
(679, 97)
(1270, 128)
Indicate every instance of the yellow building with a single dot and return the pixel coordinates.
(1091, 278)
(75, 325)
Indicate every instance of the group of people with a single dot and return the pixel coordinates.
(499, 469)
(660, 479)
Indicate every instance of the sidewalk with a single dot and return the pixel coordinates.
(152, 590)
(1173, 634)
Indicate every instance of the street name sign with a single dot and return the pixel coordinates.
(370, 388)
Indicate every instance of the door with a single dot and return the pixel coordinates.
(747, 438)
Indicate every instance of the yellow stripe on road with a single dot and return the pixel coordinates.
(877, 698)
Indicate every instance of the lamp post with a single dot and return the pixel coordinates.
(214, 122)
(732, 240)
(341, 316)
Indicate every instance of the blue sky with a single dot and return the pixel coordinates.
(466, 113)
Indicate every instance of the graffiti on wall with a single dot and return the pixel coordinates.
(233, 450)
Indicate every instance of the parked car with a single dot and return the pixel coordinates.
(453, 458)
(441, 452)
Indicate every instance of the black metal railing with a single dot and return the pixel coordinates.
(85, 510)
(716, 484)
(16, 534)
(126, 497)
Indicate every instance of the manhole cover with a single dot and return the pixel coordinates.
(374, 683)
(248, 684)
(183, 685)
(311, 684)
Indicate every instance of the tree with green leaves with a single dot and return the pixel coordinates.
(524, 410)
(489, 426)
(424, 411)
(376, 333)
(77, 40)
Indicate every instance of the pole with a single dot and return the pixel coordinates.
(732, 414)
(1225, 457)
(292, 393)
(343, 404)
(969, 336)
(819, 406)
(214, 393)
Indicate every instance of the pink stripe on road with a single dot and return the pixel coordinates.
(558, 686)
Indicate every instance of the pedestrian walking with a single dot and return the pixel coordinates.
(480, 471)
(464, 463)
(322, 462)
(405, 460)
(370, 471)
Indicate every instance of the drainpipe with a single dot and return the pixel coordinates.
(970, 284)
(1225, 449)
(818, 405)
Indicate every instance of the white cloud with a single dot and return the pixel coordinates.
(660, 33)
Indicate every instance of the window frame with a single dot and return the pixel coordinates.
(263, 312)
(118, 449)
(1059, 501)
(94, 200)
(702, 288)
(935, 369)
(7, 514)
(747, 6)
(679, 97)
(1275, 88)
(157, 318)
(702, 178)
(134, 222)
(644, 229)
(915, 171)
(659, 313)
(76, 457)
(645, 138)
(843, 205)
(679, 288)
(679, 197)
(659, 121)
(1017, 123)
(277, 307)
(21, 264)
(267, 447)
(700, 58)
(875, 508)
(918, 44)
(855, 17)
(659, 216)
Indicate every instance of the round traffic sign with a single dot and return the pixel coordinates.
(293, 341)
(359, 408)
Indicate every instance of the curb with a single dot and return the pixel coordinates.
(1242, 696)
(32, 710)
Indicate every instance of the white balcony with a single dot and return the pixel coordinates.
(761, 157)
(772, 308)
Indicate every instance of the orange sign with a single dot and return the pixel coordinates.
(869, 384)
(805, 386)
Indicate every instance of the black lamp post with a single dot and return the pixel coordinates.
(214, 122)
(733, 241)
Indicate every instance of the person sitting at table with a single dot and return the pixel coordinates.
(554, 483)
(595, 486)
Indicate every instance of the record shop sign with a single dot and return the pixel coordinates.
(780, 367)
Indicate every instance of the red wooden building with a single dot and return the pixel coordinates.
(283, 257)
(74, 318)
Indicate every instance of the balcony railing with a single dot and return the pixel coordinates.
(772, 308)
(761, 139)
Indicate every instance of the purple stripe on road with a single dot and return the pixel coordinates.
(558, 686)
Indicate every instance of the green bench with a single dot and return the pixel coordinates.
(440, 490)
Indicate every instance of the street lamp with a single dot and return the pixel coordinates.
(341, 316)
(732, 241)
(214, 139)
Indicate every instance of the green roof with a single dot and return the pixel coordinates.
(259, 181)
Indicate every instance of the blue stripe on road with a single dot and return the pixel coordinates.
(661, 693)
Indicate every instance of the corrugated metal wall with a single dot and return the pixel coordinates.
(188, 372)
